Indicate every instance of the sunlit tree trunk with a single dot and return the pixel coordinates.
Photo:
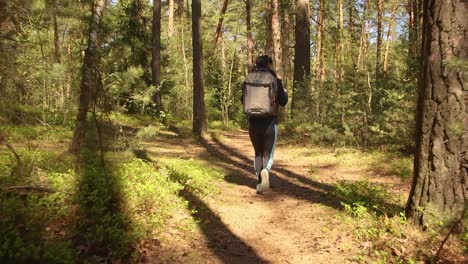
(199, 119)
(379, 40)
(363, 35)
(440, 178)
(319, 64)
(301, 57)
(220, 21)
(276, 30)
(156, 54)
(88, 79)
(389, 34)
(170, 19)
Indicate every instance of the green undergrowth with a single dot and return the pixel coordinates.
(101, 213)
(33, 134)
(385, 235)
(197, 176)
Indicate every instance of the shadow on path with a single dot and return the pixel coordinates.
(319, 193)
(226, 245)
(314, 192)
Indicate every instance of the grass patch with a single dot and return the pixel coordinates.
(197, 176)
(362, 196)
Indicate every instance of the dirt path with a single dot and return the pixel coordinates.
(298, 221)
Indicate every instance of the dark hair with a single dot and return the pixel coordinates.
(262, 61)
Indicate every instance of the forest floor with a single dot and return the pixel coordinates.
(164, 197)
(299, 220)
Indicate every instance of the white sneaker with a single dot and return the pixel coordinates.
(265, 179)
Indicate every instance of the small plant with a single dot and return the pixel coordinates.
(364, 194)
(148, 133)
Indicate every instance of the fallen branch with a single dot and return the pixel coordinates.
(28, 188)
(3, 140)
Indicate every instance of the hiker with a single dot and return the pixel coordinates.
(262, 93)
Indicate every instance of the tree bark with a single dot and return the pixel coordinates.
(89, 74)
(276, 30)
(199, 119)
(250, 57)
(56, 37)
(269, 28)
(319, 70)
(301, 57)
(220, 21)
(379, 40)
(389, 34)
(156, 54)
(441, 163)
(285, 43)
(170, 21)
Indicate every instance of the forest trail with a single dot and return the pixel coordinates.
(297, 221)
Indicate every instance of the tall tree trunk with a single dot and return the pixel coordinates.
(199, 119)
(250, 57)
(319, 64)
(389, 34)
(441, 161)
(363, 37)
(301, 57)
(338, 50)
(156, 54)
(88, 79)
(269, 28)
(186, 66)
(170, 21)
(285, 43)
(379, 40)
(220, 21)
(56, 37)
(276, 30)
(415, 19)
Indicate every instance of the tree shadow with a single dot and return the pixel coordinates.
(312, 191)
(101, 226)
(315, 192)
(223, 242)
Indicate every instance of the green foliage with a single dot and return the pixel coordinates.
(194, 175)
(314, 133)
(360, 196)
(148, 133)
(150, 197)
(31, 229)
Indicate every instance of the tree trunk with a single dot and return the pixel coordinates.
(285, 42)
(199, 119)
(56, 38)
(379, 40)
(441, 162)
(170, 22)
(389, 34)
(320, 73)
(220, 21)
(250, 57)
(88, 79)
(269, 28)
(276, 30)
(363, 37)
(156, 55)
(301, 57)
